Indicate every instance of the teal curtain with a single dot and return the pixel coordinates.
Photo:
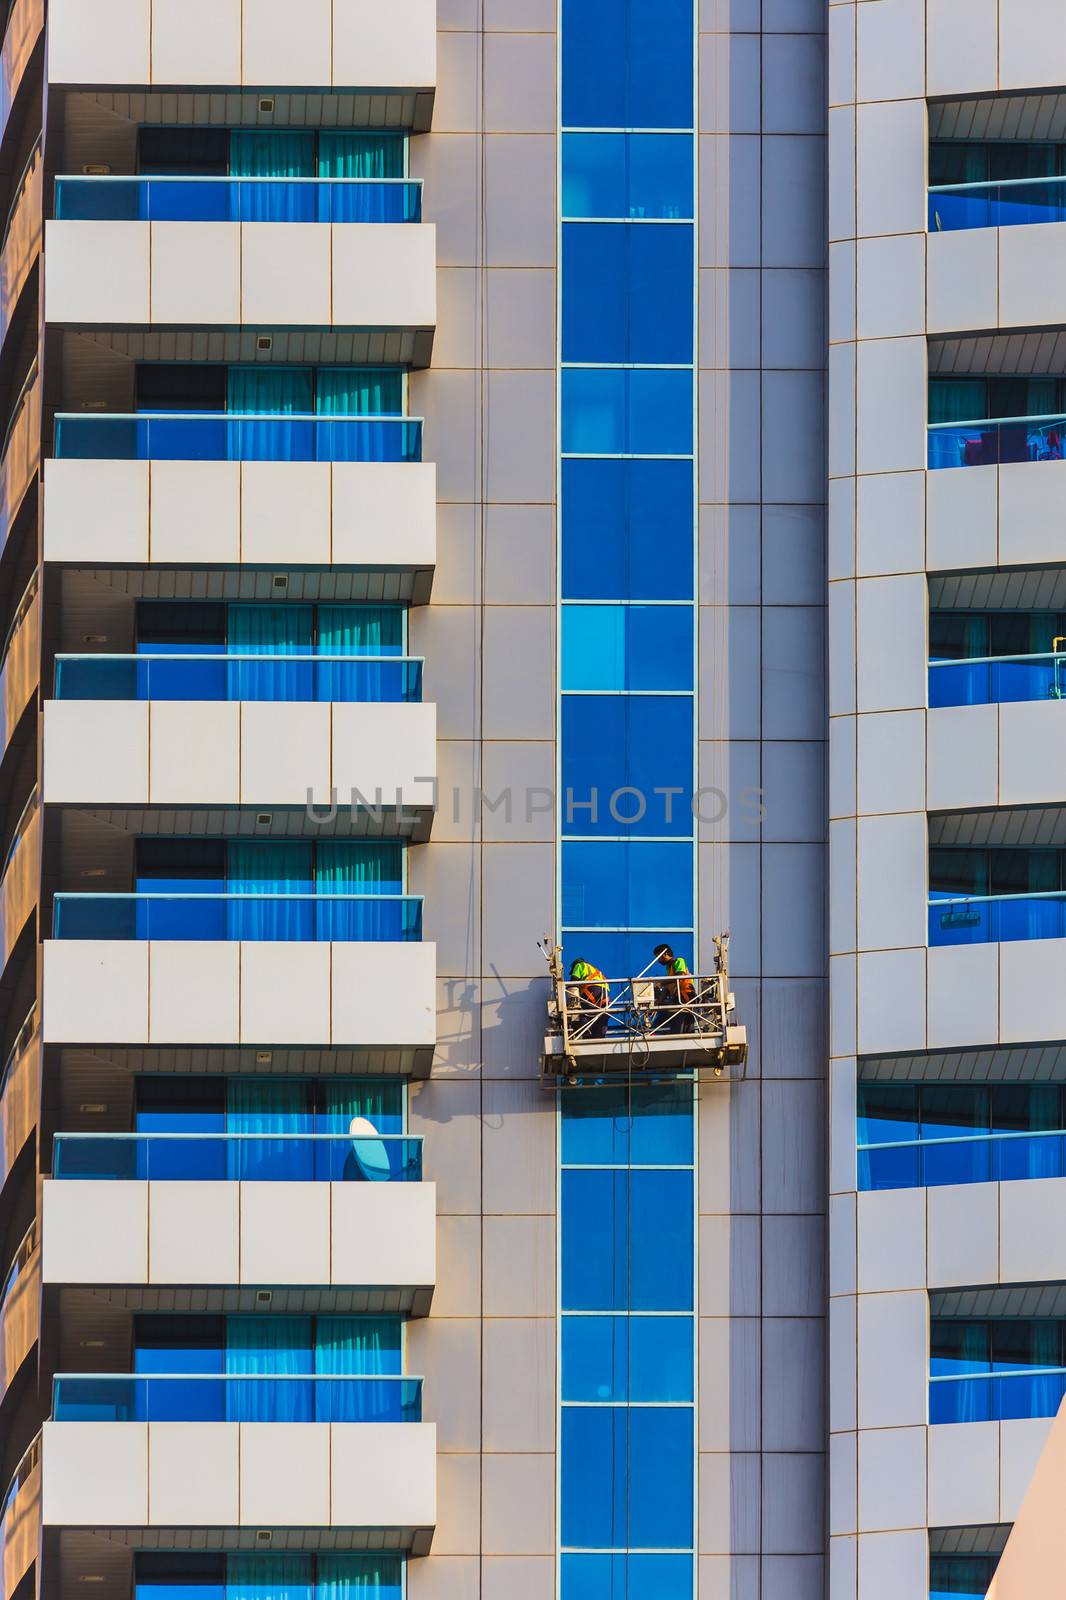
(1045, 1391)
(361, 155)
(270, 390)
(260, 1346)
(348, 866)
(367, 1345)
(957, 400)
(344, 1098)
(371, 1577)
(266, 871)
(359, 391)
(272, 153)
(269, 1105)
(361, 631)
(269, 1577)
(269, 630)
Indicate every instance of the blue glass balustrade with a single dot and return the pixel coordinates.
(261, 917)
(996, 1396)
(282, 1157)
(1003, 204)
(110, 1397)
(231, 436)
(996, 441)
(997, 919)
(965, 1158)
(995, 680)
(238, 199)
(240, 677)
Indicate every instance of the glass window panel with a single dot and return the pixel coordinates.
(627, 65)
(661, 1454)
(627, 530)
(594, 1476)
(601, 1211)
(623, 884)
(627, 293)
(594, 1254)
(952, 1109)
(622, 648)
(1026, 1107)
(956, 872)
(609, 413)
(641, 742)
(599, 1575)
(178, 1344)
(647, 1124)
(660, 1247)
(622, 955)
(627, 175)
(660, 1358)
(627, 1358)
(888, 1112)
(958, 1346)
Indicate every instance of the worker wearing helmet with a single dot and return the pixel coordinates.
(588, 994)
(673, 992)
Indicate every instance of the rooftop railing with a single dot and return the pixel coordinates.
(997, 680)
(231, 436)
(109, 1397)
(347, 678)
(999, 203)
(359, 1156)
(996, 1396)
(237, 199)
(996, 441)
(1007, 1156)
(997, 919)
(270, 918)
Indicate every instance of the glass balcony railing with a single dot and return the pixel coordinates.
(1004, 1157)
(107, 1397)
(296, 918)
(228, 436)
(996, 680)
(996, 1396)
(30, 1460)
(237, 199)
(997, 919)
(267, 1157)
(996, 441)
(998, 204)
(240, 677)
(23, 1257)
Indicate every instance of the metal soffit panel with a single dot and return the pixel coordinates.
(1028, 1063)
(1032, 351)
(981, 1538)
(294, 109)
(1000, 589)
(390, 347)
(258, 583)
(1000, 1300)
(1000, 116)
(209, 1060)
(1001, 825)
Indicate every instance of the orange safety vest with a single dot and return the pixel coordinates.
(593, 988)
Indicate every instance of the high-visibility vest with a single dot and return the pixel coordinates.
(686, 989)
(593, 983)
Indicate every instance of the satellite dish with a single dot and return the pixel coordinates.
(369, 1150)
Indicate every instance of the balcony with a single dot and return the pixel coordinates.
(20, 1091)
(237, 199)
(996, 919)
(997, 680)
(22, 237)
(21, 455)
(344, 679)
(217, 436)
(25, 24)
(1001, 1157)
(1010, 203)
(20, 1309)
(333, 1485)
(20, 661)
(997, 441)
(20, 1518)
(20, 882)
(369, 277)
(996, 1396)
(111, 1397)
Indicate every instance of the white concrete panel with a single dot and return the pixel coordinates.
(843, 911)
(196, 41)
(389, 46)
(963, 1233)
(196, 273)
(963, 279)
(108, 42)
(890, 50)
(1020, 1442)
(891, 762)
(891, 633)
(285, 993)
(842, 1353)
(384, 994)
(963, 997)
(893, 1359)
(891, 379)
(384, 1474)
(892, 867)
(1032, 997)
(843, 1482)
(890, 1230)
(95, 751)
(196, 511)
(963, 756)
(285, 1471)
(285, 269)
(841, 173)
(1032, 511)
(285, 753)
(95, 991)
(843, 1012)
(890, 280)
(193, 1473)
(890, 156)
(891, 1478)
(1032, 49)
(95, 1231)
(962, 528)
(94, 1474)
(963, 1473)
(891, 1003)
(1033, 1230)
(97, 272)
(384, 1233)
(384, 275)
(962, 38)
(283, 45)
(890, 523)
(194, 753)
(1031, 261)
(208, 969)
(842, 421)
(95, 511)
(893, 1566)
(193, 1233)
(383, 506)
(285, 511)
(1032, 752)
(285, 1229)
(386, 749)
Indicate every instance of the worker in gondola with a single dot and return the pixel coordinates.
(588, 993)
(674, 994)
